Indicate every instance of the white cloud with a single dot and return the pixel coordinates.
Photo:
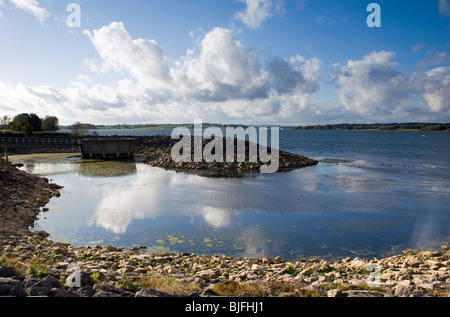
(220, 71)
(219, 80)
(256, 13)
(435, 58)
(143, 59)
(33, 7)
(436, 83)
(371, 86)
(224, 69)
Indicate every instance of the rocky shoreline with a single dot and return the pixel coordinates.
(33, 265)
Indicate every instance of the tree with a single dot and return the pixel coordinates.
(28, 129)
(35, 122)
(79, 129)
(5, 122)
(19, 121)
(50, 123)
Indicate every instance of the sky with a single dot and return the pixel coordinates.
(265, 62)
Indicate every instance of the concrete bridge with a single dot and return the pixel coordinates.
(103, 148)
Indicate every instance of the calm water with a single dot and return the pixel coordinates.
(374, 193)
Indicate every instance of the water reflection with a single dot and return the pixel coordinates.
(328, 209)
(56, 164)
(156, 194)
(106, 168)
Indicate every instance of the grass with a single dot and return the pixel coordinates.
(19, 268)
(240, 289)
(37, 268)
(264, 289)
(95, 277)
(128, 284)
(169, 284)
(4, 260)
(339, 286)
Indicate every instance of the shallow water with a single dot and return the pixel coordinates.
(364, 204)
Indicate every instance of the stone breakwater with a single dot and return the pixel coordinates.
(157, 149)
(33, 265)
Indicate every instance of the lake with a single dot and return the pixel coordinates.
(373, 194)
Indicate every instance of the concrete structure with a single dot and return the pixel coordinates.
(16, 142)
(107, 148)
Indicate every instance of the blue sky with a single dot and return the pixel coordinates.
(293, 62)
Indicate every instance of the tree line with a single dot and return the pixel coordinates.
(30, 123)
(380, 126)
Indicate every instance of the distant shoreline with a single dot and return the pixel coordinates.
(409, 127)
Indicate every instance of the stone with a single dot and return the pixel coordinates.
(259, 269)
(428, 254)
(6, 271)
(103, 289)
(433, 264)
(142, 293)
(40, 288)
(11, 287)
(103, 293)
(308, 271)
(58, 292)
(60, 251)
(171, 270)
(404, 289)
(86, 291)
(127, 269)
(207, 274)
(335, 293)
(357, 264)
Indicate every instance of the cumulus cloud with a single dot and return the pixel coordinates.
(224, 69)
(220, 71)
(33, 7)
(222, 80)
(372, 86)
(256, 13)
(143, 59)
(436, 85)
(218, 80)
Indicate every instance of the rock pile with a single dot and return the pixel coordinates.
(21, 197)
(104, 271)
(157, 149)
